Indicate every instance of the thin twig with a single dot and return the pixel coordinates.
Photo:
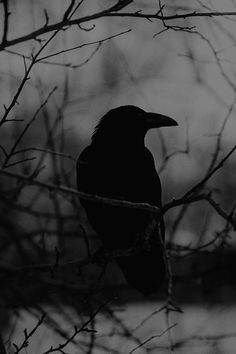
(83, 328)
(202, 183)
(28, 125)
(28, 336)
(153, 337)
(100, 41)
(6, 21)
(47, 151)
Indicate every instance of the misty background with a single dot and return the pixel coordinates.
(186, 71)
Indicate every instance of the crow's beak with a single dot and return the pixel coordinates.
(156, 120)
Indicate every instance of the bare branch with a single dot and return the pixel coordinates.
(18, 162)
(6, 21)
(46, 17)
(210, 174)
(219, 137)
(68, 10)
(47, 151)
(3, 150)
(153, 337)
(16, 96)
(83, 328)
(28, 336)
(83, 45)
(11, 153)
(113, 12)
(184, 151)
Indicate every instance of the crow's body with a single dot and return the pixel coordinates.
(118, 165)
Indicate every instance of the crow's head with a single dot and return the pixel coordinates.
(128, 124)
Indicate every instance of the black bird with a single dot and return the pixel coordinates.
(118, 165)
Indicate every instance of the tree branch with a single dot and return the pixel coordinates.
(6, 20)
(111, 12)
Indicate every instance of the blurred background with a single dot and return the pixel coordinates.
(54, 89)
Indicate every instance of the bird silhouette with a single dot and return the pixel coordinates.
(118, 165)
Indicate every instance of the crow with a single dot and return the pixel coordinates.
(117, 165)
